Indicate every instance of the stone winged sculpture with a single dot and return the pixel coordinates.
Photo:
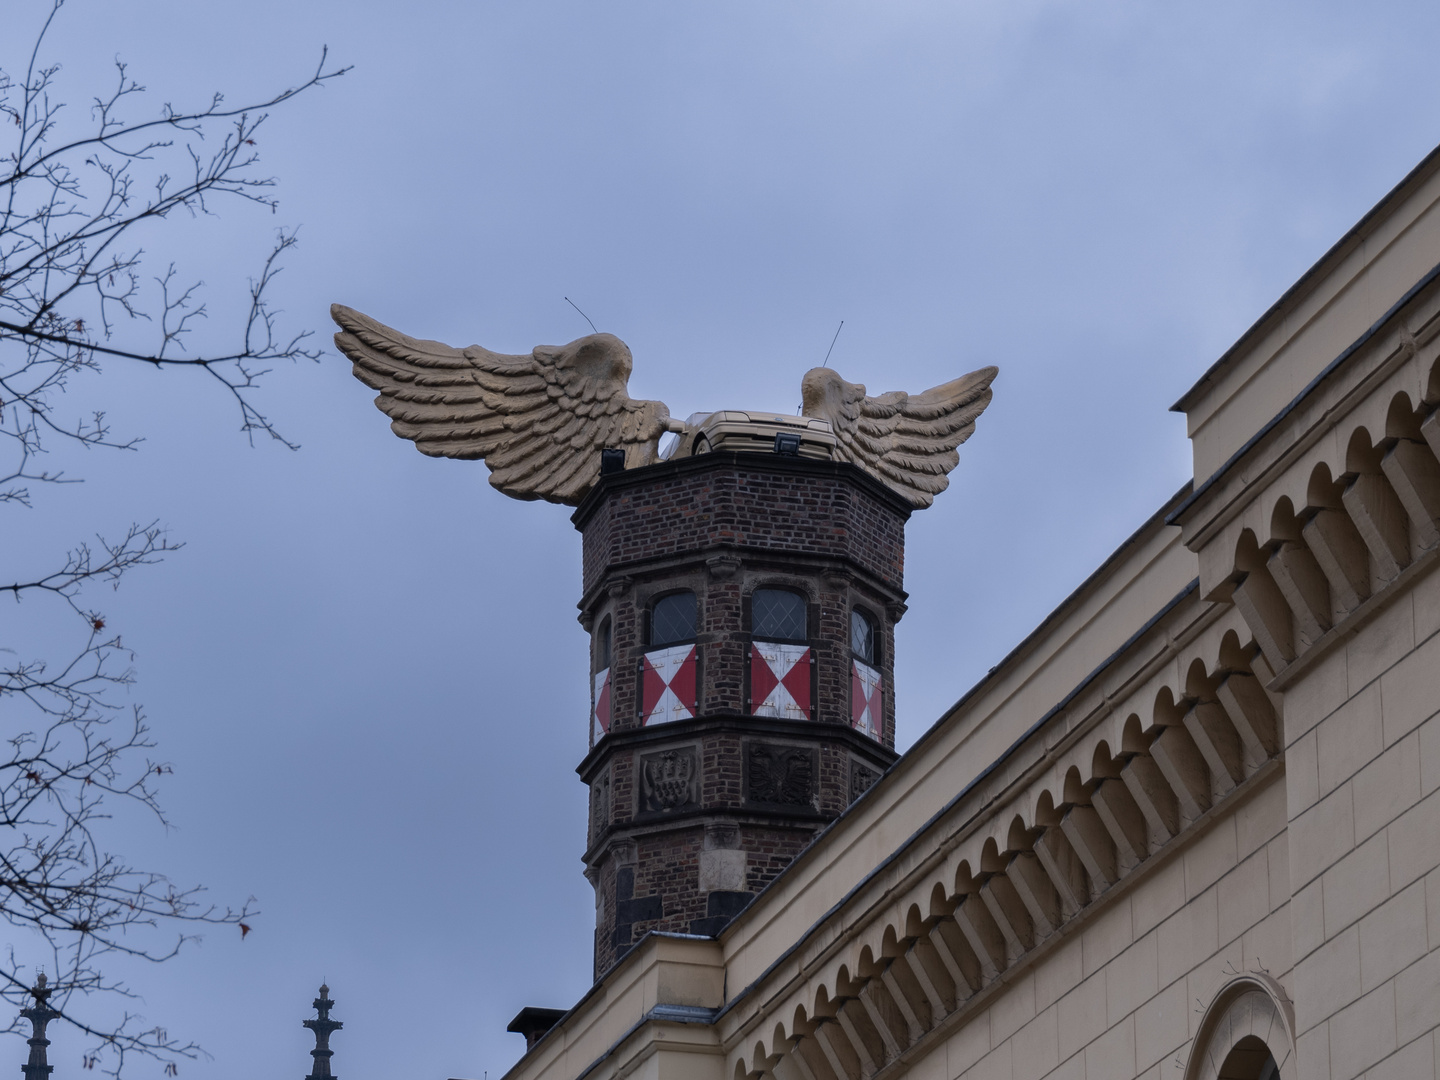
(540, 421)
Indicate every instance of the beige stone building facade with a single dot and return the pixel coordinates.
(1190, 827)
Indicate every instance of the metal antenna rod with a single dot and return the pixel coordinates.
(587, 317)
(832, 343)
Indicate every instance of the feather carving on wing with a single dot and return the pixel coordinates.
(538, 421)
(907, 441)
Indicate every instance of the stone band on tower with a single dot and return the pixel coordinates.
(741, 609)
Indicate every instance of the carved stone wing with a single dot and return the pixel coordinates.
(539, 421)
(907, 441)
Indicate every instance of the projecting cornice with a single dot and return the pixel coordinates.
(1334, 506)
(1295, 428)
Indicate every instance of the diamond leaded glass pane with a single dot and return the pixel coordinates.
(777, 615)
(673, 619)
(862, 637)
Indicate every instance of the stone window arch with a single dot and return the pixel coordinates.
(1247, 1033)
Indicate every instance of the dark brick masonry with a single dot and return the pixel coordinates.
(690, 819)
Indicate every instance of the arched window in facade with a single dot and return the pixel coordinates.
(778, 615)
(600, 683)
(672, 620)
(862, 637)
(1245, 1034)
(781, 662)
(602, 645)
(1249, 1059)
(867, 698)
(668, 674)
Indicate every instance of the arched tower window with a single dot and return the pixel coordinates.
(862, 637)
(669, 680)
(602, 645)
(781, 662)
(600, 683)
(672, 619)
(778, 615)
(867, 698)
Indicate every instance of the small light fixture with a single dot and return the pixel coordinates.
(611, 461)
(787, 444)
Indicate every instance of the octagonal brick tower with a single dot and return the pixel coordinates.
(741, 609)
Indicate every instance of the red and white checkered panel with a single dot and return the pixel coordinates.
(599, 706)
(866, 711)
(667, 685)
(780, 680)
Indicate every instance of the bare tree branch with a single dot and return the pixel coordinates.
(76, 298)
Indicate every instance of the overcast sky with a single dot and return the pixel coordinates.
(365, 663)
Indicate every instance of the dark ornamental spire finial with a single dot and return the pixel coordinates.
(39, 1014)
(322, 1026)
